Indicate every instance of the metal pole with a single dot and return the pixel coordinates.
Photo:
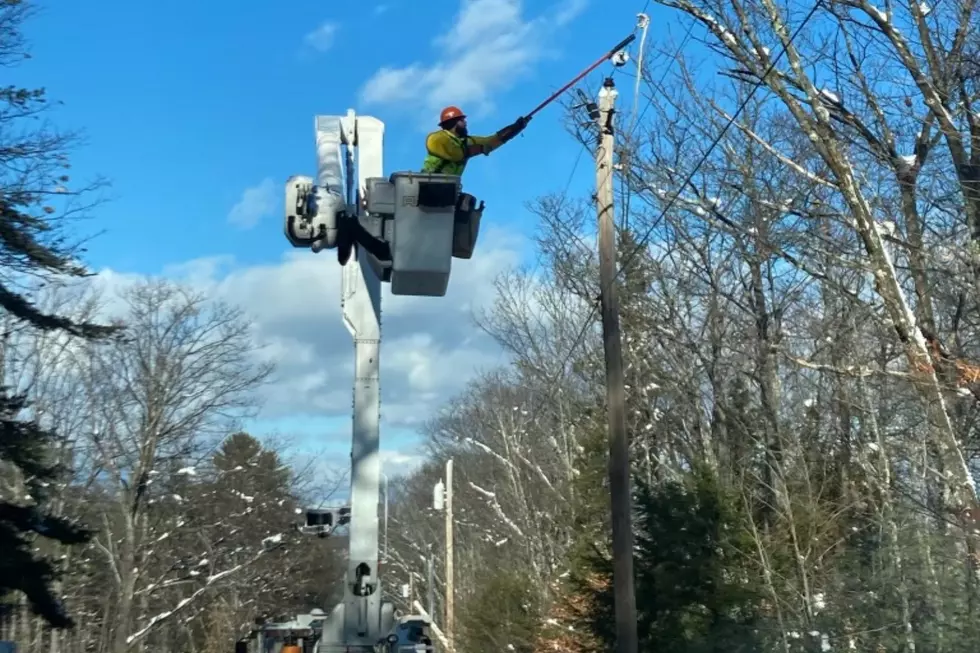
(361, 309)
(619, 462)
(450, 585)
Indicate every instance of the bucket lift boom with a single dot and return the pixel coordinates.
(350, 201)
(349, 152)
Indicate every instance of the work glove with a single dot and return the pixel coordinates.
(513, 129)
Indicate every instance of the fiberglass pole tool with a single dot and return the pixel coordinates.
(606, 57)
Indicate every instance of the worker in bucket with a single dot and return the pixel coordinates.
(450, 148)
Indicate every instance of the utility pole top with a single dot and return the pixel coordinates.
(607, 98)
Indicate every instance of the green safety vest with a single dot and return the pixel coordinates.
(439, 166)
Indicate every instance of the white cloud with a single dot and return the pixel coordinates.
(394, 463)
(430, 345)
(398, 463)
(322, 38)
(257, 202)
(487, 51)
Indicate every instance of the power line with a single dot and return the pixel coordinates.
(588, 321)
(635, 120)
(643, 241)
(649, 102)
(741, 107)
(561, 203)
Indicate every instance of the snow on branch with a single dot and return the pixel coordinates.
(771, 149)
(858, 371)
(722, 33)
(510, 465)
(539, 472)
(717, 218)
(491, 498)
(208, 583)
(490, 451)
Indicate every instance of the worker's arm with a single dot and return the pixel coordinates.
(484, 144)
(443, 146)
(488, 144)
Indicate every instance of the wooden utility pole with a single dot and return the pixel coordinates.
(450, 585)
(619, 459)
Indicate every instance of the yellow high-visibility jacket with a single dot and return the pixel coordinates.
(448, 154)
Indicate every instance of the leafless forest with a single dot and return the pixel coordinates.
(799, 277)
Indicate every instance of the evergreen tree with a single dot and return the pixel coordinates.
(691, 593)
(248, 497)
(502, 615)
(23, 444)
(32, 247)
(263, 472)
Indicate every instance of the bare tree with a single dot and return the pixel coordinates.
(162, 396)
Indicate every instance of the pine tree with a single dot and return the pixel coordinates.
(693, 593)
(248, 498)
(33, 246)
(23, 444)
(502, 615)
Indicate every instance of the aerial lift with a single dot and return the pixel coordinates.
(420, 222)
(403, 230)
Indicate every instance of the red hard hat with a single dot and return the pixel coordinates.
(451, 113)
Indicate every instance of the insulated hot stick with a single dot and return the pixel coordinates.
(606, 57)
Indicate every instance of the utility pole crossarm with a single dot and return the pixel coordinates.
(619, 463)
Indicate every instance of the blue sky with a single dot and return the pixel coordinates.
(192, 108)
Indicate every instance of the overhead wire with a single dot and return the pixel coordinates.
(578, 158)
(642, 243)
(635, 121)
(728, 124)
(581, 333)
(660, 83)
(644, 24)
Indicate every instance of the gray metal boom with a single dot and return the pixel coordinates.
(348, 199)
(361, 620)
